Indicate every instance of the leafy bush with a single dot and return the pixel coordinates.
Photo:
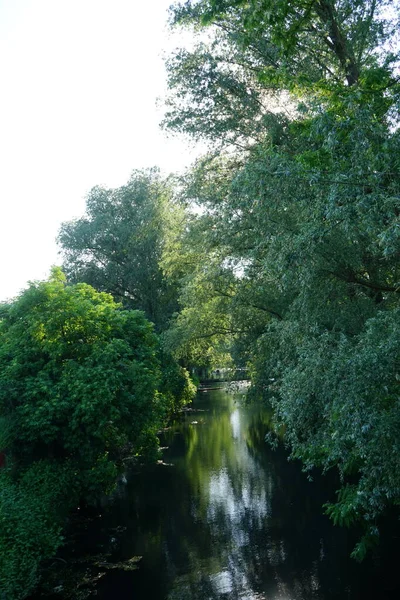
(176, 386)
(32, 513)
(78, 378)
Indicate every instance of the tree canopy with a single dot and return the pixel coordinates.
(302, 40)
(299, 217)
(117, 246)
(278, 251)
(79, 391)
(78, 375)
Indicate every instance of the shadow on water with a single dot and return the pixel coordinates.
(227, 517)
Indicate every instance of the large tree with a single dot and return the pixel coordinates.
(302, 40)
(229, 86)
(301, 224)
(117, 246)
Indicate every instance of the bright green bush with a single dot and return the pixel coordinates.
(78, 378)
(78, 389)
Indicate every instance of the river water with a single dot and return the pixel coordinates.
(226, 517)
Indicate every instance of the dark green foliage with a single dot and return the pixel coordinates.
(78, 390)
(300, 227)
(176, 385)
(315, 306)
(79, 381)
(117, 246)
(32, 513)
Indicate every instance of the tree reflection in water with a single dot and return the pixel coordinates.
(231, 519)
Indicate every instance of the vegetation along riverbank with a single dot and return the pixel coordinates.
(276, 253)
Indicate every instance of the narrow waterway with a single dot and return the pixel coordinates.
(226, 518)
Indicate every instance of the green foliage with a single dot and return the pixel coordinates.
(32, 517)
(78, 378)
(117, 246)
(316, 300)
(6, 433)
(176, 386)
(261, 56)
(78, 390)
(198, 335)
(217, 96)
(295, 250)
(344, 512)
(300, 42)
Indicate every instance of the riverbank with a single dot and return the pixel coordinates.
(223, 516)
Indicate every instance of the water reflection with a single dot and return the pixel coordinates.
(231, 519)
(236, 491)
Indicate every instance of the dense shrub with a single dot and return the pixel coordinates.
(78, 389)
(32, 513)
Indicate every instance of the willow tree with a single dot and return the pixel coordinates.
(300, 42)
(117, 245)
(300, 214)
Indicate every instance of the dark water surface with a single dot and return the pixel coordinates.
(228, 518)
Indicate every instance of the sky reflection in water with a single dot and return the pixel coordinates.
(230, 519)
(239, 490)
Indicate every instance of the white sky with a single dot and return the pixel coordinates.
(79, 81)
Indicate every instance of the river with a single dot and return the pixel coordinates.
(226, 517)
